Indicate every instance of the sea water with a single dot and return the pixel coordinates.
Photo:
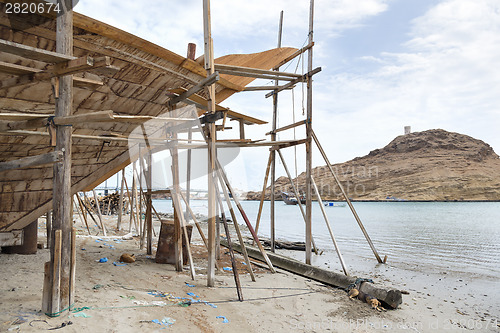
(450, 250)
(456, 236)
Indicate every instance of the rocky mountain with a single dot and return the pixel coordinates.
(432, 165)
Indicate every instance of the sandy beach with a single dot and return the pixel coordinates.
(145, 296)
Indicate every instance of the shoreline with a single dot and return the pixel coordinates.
(122, 298)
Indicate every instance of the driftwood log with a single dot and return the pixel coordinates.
(390, 298)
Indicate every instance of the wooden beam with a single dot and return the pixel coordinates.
(14, 69)
(262, 88)
(228, 69)
(33, 52)
(13, 238)
(69, 67)
(293, 56)
(284, 128)
(289, 84)
(211, 79)
(258, 76)
(26, 162)
(288, 144)
(42, 121)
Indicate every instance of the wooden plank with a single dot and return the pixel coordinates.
(52, 157)
(33, 52)
(13, 238)
(289, 84)
(55, 293)
(284, 128)
(228, 69)
(262, 88)
(257, 76)
(294, 55)
(211, 79)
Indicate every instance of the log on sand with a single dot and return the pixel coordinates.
(390, 298)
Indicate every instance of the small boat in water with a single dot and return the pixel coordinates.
(334, 204)
(290, 199)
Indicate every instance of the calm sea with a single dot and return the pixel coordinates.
(432, 236)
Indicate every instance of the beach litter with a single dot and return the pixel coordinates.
(166, 321)
(103, 260)
(189, 285)
(224, 320)
(119, 263)
(81, 315)
(228, 269)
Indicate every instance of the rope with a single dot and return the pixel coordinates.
(57, 314)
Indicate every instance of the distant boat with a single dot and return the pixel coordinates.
(290, 199)
(334, 204)
(391, 198)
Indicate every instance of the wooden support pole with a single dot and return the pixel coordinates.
(62, 222)
(149, 204)
(263, 195)
(297, 195)
(180, 217)
(222, 175)
(346, 197)
(179, 226)
(81, 213)
(48, 226)
(98, 206)
(309, 143)
(320, 202)
(191, 54)
(56, 274)
(72, 280)
(235, 223)
(197, 224)
(142, 223)
(210, 68)
(230, 247)
(120, 202)
(242, 129)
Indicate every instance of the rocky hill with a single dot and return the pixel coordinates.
(430, 165)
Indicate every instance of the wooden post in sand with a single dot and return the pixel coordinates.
(273, 138)
(120, 202)
(97, 203)
(149, 204)
(309, 141)
(320, 202)
(62, 223)
(210, 68)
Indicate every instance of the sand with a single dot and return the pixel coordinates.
(145, 296)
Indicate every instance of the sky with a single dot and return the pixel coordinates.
(385, 64)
